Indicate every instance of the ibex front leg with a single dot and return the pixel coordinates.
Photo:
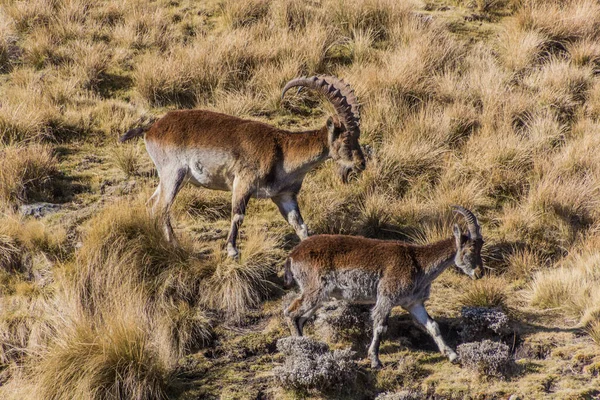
(241, 195)
(422, 318)
(288, 207)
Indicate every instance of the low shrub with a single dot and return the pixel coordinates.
(340, 319)
(482, 321)
(486, 358)
(309, 365)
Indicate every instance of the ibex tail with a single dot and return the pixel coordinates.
(137, 132)
(132, 133)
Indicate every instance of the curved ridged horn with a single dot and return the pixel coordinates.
(339, 93)
(472, 224)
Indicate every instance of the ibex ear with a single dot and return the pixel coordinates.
(457, 234)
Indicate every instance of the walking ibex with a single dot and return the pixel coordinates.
(250, 158)
(387, 273)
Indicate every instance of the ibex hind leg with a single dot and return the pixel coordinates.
(152, 202)
(300, 310)
(380, 315)
(169, 187)
(291, 314)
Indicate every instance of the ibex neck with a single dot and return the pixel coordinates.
(436, 257)
(305, 150)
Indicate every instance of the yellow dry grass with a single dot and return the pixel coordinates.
(498, 112)
(25, 172)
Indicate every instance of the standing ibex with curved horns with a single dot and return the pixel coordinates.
(250, 158)
(387, 273)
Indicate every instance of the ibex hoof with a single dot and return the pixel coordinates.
(233, 255)
(376, 364)
(232, 252)
(453, 357)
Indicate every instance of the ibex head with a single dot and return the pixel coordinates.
(468, 253)
(344, 128)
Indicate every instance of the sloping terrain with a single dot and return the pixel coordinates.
(490, 104)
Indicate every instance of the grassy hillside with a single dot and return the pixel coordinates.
(491, 104)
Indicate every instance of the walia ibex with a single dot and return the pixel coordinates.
(250, 158)
(387, 273)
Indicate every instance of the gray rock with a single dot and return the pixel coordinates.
(339, 319)
(310, 365)
(482, 322)
(486, 357)
(401, 395)
(300, 346)
(38, 210)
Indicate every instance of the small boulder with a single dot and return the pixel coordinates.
(310, 365)
(488, 358)
(339, 319)
(38, 210)
(483, 322)
(401, 395)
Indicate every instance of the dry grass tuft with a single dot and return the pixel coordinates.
(594, 332)
(112, 360)
(127, 157)
(27, 112)
(90, 62)
(377, 16)
(520, 49)
(561, 86)
(26, 173)
(240, 14)
(178, 78)
(9, 51)
(522, 263)
(191, 74)
(561, 21)
(185, 328)
(23, 327)
(34, 236)
(124, 243)
(585, 52)
(10, 254)
(416, 153)
(238, 286)
(572, 287)
(488, 292)
(375, 214)
(202, 205)
(593, 104)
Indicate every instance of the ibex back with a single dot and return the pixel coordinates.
(386, 273)
(250, 158)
